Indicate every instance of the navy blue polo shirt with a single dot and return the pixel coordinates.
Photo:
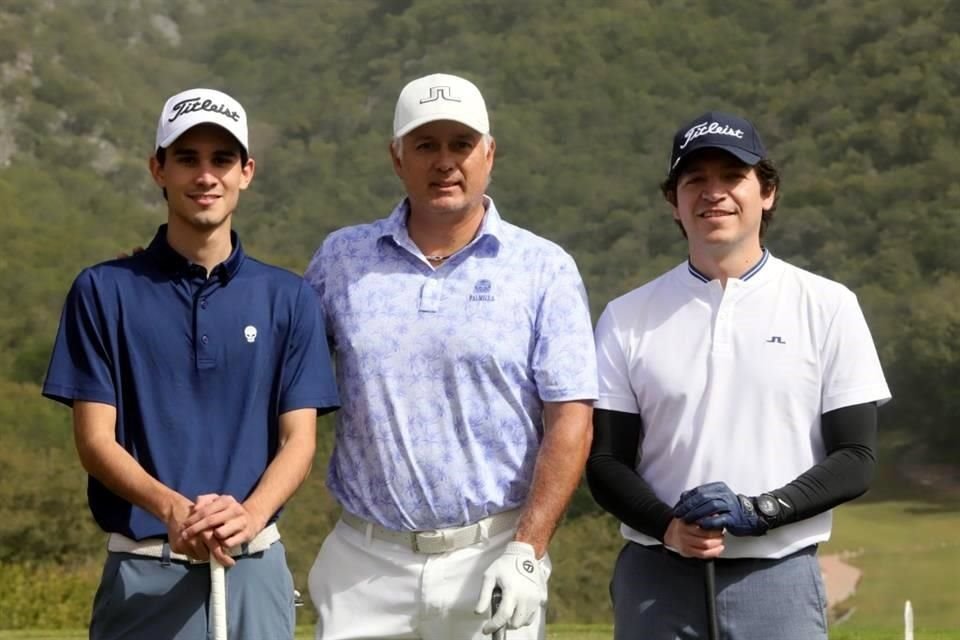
(199, 368)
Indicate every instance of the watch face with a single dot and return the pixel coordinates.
(768, 505)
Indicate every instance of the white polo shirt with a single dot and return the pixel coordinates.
(730, 383)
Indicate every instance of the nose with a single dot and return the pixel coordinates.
(713, 190)
(445, 159)
(205, 175)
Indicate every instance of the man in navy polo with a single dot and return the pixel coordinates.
(195, 374)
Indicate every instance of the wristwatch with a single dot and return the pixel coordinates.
(769, 508)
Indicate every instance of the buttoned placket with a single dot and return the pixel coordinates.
(204, 336)
(724, 322)
(431, 292)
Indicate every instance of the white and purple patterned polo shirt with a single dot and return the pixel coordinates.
(443, 373)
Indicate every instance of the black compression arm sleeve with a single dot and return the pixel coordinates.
(612, 476)
(850, 438)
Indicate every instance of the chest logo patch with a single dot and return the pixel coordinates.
(482, 291)
(250, 333)
(776, 340)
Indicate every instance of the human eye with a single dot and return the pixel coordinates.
(691, 179)
(224, 160)
(737, 175)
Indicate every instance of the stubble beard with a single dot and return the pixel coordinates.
(204, 221)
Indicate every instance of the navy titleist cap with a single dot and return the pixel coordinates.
(716, 130)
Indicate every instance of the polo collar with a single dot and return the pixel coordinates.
(169, 260)
(748, 274)
(395, 225)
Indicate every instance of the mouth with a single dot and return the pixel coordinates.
(715, 213)
(445, 186)
(204, 199)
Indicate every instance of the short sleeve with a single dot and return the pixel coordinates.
(307, 379)
(564, 360)
(81, 366)
(851, 367)
(616, 390)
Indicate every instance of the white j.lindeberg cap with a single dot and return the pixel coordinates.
(440, 97)
(189, 108)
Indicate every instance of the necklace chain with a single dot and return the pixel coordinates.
(436, 258)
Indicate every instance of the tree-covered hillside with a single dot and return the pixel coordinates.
(858, 102)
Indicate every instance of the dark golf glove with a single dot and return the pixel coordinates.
(715, 506)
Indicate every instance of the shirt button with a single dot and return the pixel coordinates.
(204, 339)
(203, 303)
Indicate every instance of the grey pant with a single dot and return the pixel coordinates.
(659, 595)
(150, 599)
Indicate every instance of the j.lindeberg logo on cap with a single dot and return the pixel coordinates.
(439, 93)
(194, 104)
(481, 292)
(706, 128)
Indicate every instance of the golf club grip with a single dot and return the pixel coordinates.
(710, 592)
(218, 601)
(495, 599)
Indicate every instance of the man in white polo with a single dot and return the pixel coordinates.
(738, 401)
(465, 358)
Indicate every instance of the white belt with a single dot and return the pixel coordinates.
(437, 540)
(160, 548)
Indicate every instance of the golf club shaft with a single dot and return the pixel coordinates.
(710, 592)
(501, 633)
(218, 601)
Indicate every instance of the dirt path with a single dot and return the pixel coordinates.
(840, 578)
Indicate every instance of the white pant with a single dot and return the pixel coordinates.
(369, 589)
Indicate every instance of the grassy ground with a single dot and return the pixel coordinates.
(886, 634)
(555, 632)
(905, 554)
(905, 542)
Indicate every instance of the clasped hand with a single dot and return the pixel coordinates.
(714, 506)
(211, 526)
(519, 575)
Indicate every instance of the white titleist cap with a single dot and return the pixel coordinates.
(189, 108)
(440, 97)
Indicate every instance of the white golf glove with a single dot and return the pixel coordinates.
(524, 587)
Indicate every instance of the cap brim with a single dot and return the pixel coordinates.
(170, 139)
(433, 117)
(747, 157)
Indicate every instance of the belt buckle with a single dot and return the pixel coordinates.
(429, 542)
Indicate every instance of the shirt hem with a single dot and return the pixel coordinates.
(322, 405)
(69, 395)
(880, 395)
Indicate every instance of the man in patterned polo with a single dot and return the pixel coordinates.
(464, 356)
